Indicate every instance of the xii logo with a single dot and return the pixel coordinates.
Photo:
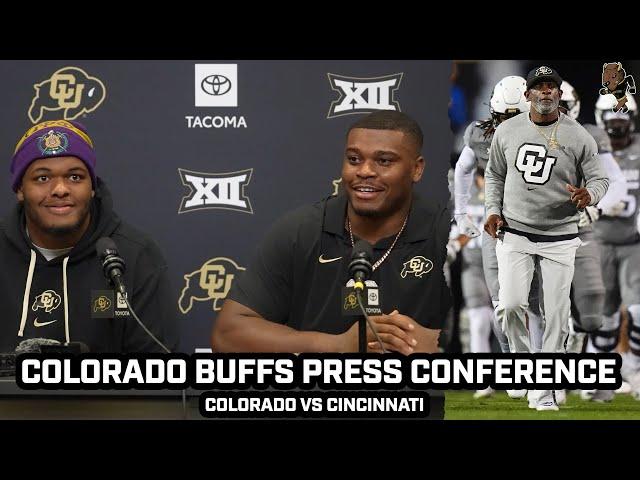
(363, 95)
(216, 190)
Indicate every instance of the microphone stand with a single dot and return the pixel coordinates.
(362, 325)
(362, 332)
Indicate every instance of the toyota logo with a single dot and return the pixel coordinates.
(215, 85)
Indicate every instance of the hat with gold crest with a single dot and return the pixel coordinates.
(56, 138)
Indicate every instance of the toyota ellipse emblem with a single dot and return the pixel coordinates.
(215, 85)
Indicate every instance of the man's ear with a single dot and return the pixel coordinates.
(526, 94)
(20, 195)
(418, 169)
(93, 193)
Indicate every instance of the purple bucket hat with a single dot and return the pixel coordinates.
(57, 138)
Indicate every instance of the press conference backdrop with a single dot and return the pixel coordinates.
(204, 155)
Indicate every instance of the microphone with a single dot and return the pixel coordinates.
(7, 364)
(113, 268)
(34, 345)
(30, 345)
(360, 268)
(48, 345)
(113, 265)
(37, 345)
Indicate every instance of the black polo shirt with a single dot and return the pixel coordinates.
(288, 284)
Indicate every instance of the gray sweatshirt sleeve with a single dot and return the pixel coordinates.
(617, 182)
(595, 177)
(495, 175)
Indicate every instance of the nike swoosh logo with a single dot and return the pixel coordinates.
(37, 323)
(327, 260)
(585, 243)
(530, 188)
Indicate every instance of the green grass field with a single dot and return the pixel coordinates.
(460, 405)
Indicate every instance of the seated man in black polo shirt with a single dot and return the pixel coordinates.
(289, 299)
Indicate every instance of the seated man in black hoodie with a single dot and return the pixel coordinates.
(51, 280)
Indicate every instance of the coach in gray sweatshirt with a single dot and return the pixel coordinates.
(538, 164)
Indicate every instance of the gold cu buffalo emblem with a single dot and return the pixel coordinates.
(102, 304)
(417, 266)
(69, 89)
(212, 281)
(350, 302)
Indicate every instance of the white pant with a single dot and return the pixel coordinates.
(517, 258)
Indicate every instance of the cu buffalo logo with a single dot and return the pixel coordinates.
(543, 71)
(417, 266)
(47, 300)
(616, 81)
(351, 302)
(69, 89)
(211, 282)
(102, 304)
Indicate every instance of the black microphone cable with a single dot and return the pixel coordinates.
(184, 391)
(113, 267)
(126, 299)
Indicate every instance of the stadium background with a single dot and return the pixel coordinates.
(291, 144)
(472, 82)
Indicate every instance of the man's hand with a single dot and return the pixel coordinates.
(395, 332)
(493, 224)
(421, 339)
(589, 215)
(463, 240)
(466, 226)
(579, 196)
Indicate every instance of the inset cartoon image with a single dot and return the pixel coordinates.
(616, 81)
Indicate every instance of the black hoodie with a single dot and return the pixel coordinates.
(69, 299)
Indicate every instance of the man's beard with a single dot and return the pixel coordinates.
(60, 231)
(546, 107)
(385, 210)
(369, 213)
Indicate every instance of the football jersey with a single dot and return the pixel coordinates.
(474, 139)
(622, 228)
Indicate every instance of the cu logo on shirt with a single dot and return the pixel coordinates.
(47, 300)
(534, 164)
(417, 266)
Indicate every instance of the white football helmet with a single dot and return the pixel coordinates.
(604, 110)
(508, 98)
(570, 100)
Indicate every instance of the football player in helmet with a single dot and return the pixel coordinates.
(507, 100)
(617, 232)
(588, 286)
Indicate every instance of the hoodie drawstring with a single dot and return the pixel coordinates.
(27, 292)
(66, 298)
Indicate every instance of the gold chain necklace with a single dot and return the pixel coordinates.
(386, 254)
(552, 141)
